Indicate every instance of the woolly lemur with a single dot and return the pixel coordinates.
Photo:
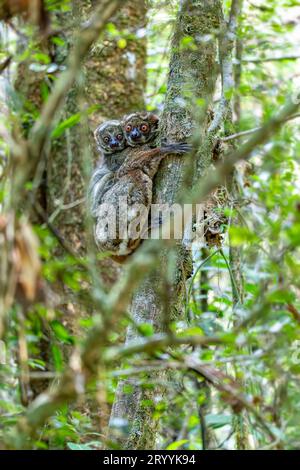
(110, 142)
(123, 187)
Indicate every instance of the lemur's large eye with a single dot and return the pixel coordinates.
(106, 139)
(120, 137)
(144, 128)
(128, 127)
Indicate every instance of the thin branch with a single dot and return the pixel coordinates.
(226, 45)
(211, 255)
(165, 364)
(238, 135)
(239, 49)
(5, 63)
(159, 342)
(271, 59)
(252, 131)
(235, 291)
(38, 209)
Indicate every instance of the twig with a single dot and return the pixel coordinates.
(159, 342)
(6, 62)
(271, 59)
(240, 134)
(235, 291)
(194, 277)
(226, 44)
(54, 231)
(65, 207)
(175, 364)
(251, 131)
(224, 441)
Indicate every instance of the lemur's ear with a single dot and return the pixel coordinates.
(150, 117)
(95, 133)
(98, 129)
(123, 120)
(153, 118)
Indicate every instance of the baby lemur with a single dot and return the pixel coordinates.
(110, 142)
(123, 183)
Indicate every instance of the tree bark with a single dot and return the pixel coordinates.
(161, 296)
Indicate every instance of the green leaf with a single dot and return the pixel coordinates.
(122, 43)
(57, 358)
(42, 58)
(241, 235)
(73, 446)
(146, 329)
(66, 124)
(192, 331)
(281, 296)
(61, 332)
(177, 444)
(58, 41)
(217, 421)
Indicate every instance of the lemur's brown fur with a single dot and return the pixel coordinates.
(133, 182)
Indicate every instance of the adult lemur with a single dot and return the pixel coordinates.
(122, 186)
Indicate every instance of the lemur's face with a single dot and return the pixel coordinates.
(110, 137)
(140, 128)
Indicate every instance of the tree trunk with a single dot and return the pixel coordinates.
(160, 298)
